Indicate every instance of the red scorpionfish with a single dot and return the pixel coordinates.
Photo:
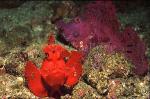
(60, 68)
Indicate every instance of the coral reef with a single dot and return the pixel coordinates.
(111, 76)
(84, 91)
(102, 66)
(13, 87)
(24, 31)
(25, 24)
(64, 9)
(115, 64)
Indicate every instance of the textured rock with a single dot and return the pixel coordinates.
(115, 64)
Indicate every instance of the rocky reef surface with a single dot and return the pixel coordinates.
(24, 31)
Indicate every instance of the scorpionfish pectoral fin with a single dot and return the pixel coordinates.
(34, 82)
(75, 68)
(76, 62)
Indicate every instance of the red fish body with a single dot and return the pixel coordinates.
(58, 69)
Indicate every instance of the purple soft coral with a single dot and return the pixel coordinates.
(134, 49)
(103, 12)
(98, 24)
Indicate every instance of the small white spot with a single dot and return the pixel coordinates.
(81, 44)
(113, 82)
(141, 84)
